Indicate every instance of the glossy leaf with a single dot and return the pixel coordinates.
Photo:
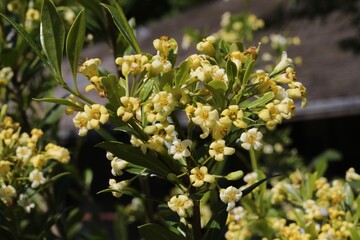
(113, 89)
(267, 97)
(217, 89)
(146, 90)
(93, 6)
(26, 37)
(75, 41)
(248, 72)
(231, 72)
(52, 36)
(122, 24)
(135, 156)
(58, 101)
(151, 231)
(182, 73)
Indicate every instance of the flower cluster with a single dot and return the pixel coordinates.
(302, 206)
(184, 120)
(24, 165)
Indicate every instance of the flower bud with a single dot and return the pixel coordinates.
(235, 175)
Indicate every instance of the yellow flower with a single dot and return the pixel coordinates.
(81, 121)
(218, 150)
(221, 129)
(90, 68)
(351, 175)
(7, 193)
(4, 168)
(164, 104)
(32, 14)
(117, 187)
(207, 46)
(270, 115)
(297, 90)
(132, 64)
(287, 77)
(234, 115)
(157, 65)
(164, 45)
(96, 114)
(129, 108)
(38, 161)
(205, 117)
(200, 175)
(182, 205)
(57, 153)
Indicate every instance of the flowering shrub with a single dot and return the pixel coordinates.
(303, 206)
(27, 171)
(183, 120)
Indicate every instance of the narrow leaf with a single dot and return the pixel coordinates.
(135, 156)
(58, 101)
(113, 89)
(151, 231)
(74, 42)
(26, 37)
(182, 73)
(248, 71)
(52, 36)
(267, 97)
(123, 25)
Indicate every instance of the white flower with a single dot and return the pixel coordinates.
(200, 175)
(180, 149)
(37, 178)
(181, 204)
(25, 202)
(117, 166)
(23, 153)
(251, 138)
(80, 121)
(218, 150)
(230, 195)
(351, 175)
(117, 187)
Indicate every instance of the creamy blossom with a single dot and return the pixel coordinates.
(251, 138)
(117, 187)
(182, 205)
(218, 150)
(7, 193)
(230, 195)
(23, 153)
(81, 121)
(37, 178)
(180, 149)
(97, 114)
(57, 153)
(200, 175)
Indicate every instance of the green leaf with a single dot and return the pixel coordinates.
(75, 41)
(321, 162)
(146, 90)
(123, 25)
(135, 156)
(267, 97)
(355, 235)
(231, 72)
(248, 71)
(58, 101)
(216, 225)
(113, 89)
(151, 231)
(217, 89)
(93, 6)
(27, 38)
(182, 73)
(52, 36)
